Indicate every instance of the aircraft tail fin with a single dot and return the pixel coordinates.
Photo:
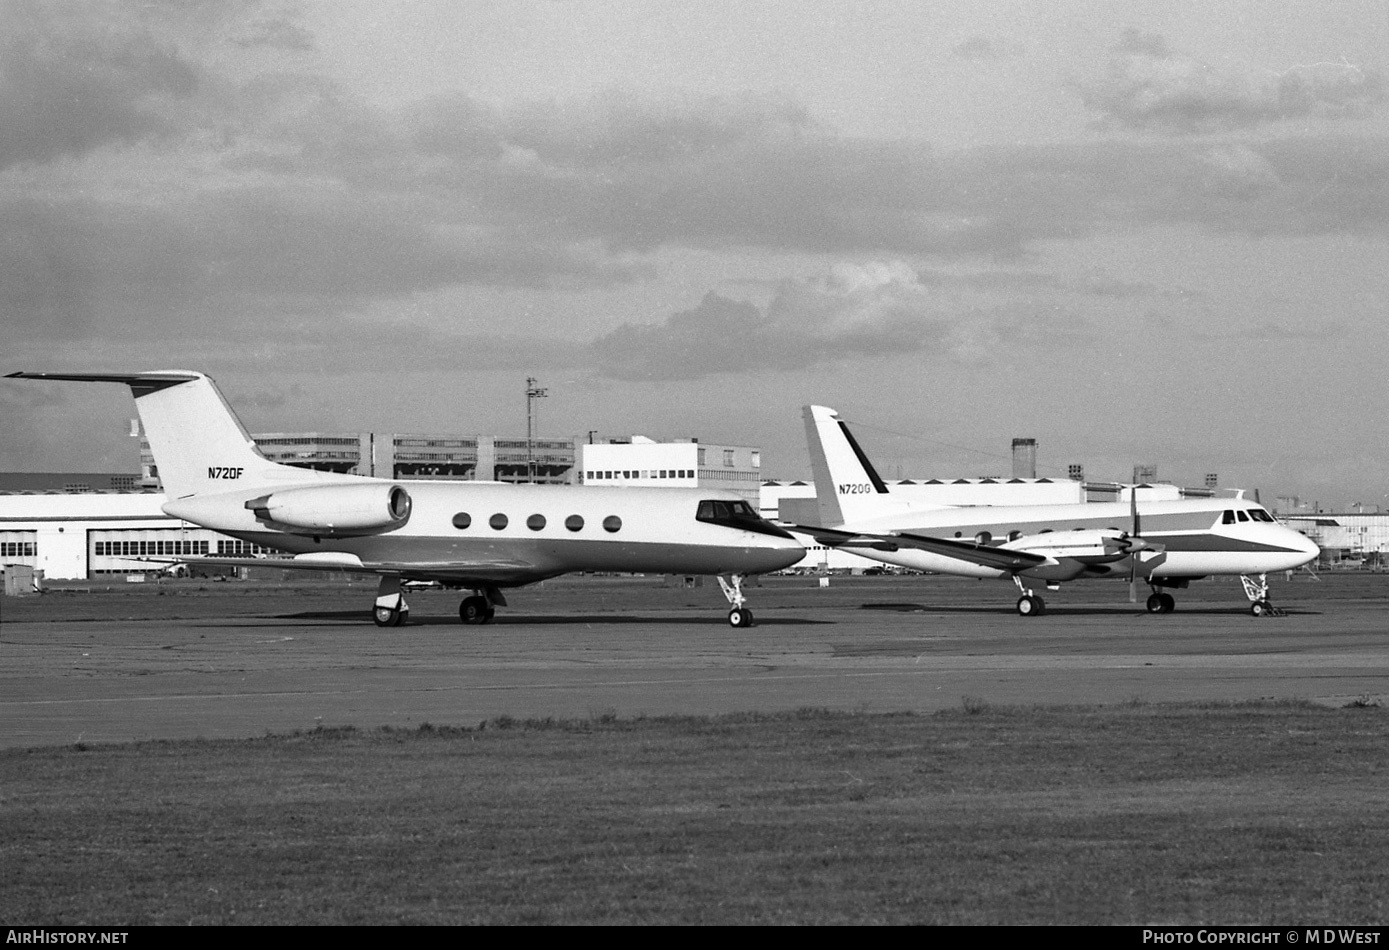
(199, 445)
(847, 486)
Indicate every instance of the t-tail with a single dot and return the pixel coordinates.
(199, 445)
(847, 487)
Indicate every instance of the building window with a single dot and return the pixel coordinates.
(727, 458)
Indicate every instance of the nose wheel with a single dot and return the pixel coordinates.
(1256, 589)
(732, 588)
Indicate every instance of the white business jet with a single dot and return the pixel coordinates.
(482, 536)
(1166, 544)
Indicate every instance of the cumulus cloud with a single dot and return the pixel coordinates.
(1238, 169)
(859, 311)
(1152, 88)
(854, 311)
(193, 199)
(67, 92)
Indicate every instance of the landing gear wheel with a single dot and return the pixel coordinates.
(740, 617)
(1161, 604)
(1030, 605)
(389, 616)
(475, 610)
(1259, 608)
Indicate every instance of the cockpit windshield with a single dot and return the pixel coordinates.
(1233, 515)
(736, 514)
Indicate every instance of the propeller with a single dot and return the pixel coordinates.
(1133, 556)
(1135, 544)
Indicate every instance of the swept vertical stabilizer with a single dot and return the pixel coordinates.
(847, 487)
(199, 445)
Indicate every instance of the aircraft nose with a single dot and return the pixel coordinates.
(1307, 547)
(783, 554)
(1301, 549)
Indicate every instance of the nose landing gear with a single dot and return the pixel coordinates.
(732, 588)
(1257, 592)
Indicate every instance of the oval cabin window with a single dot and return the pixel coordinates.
(612, 524)
(574, 523)
(535, 522)
(462, 520)
(498, 521)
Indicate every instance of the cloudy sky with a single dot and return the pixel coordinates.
(1153, 231)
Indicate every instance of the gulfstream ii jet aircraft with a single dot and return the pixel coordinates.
(483, 536)
(1165, 544)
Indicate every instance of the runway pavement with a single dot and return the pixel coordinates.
(226, 661)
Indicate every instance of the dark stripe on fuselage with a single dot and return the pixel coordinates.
(1213, 542)
(999, 529)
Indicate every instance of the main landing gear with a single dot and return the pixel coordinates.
(480, 607)
(1029, 604)
(732, 588)
(1257, 592)
(1161, 602)
(391, 610)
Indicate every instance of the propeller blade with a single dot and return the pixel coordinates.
(1133, 552)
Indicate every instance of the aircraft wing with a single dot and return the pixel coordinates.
(1004, 559)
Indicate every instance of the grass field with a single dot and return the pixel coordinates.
(1270, 813)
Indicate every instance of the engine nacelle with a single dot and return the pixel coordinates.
(1095, 547)
(335, 510)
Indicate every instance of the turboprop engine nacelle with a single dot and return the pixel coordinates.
(334, 509)
(1089, 546)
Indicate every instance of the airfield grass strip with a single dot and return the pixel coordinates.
(1267, 813)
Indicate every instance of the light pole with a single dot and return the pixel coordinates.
(533, 393)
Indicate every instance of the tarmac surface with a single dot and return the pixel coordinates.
(184, 659)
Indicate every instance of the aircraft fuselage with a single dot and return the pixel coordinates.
(507, 535)
(1188, 538)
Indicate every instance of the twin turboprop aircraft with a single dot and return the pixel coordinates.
(1166, 544)
(483, 536)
